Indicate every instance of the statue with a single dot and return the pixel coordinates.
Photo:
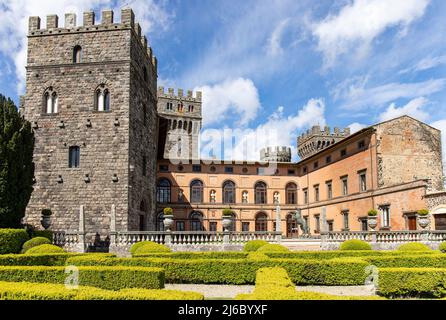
(276, 198)
(213, 196)
(300, 221)
(245, 197)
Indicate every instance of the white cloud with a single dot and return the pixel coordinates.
(426, 64)
(441, 125)
(274, 46)
(356, 96)
(231, 97)
(14, 22)
(278, 130)
(414, 109)
(355, 127)
(359, 23)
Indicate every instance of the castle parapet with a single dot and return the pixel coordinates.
(276, 154)
(89, 25)
(170, 94)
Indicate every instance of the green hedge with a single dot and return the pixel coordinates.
(52, 259)
(34, 242)
(355, 244)
(45, 249)
(414, 246)
(148, 247)
(44, 234)
(409, 260)
(196, 255)
(275, 284)
(336, 272)
(273, 248)
(342, 254)
(254, 245)
(110, 278)
(37, 291)
(412, 282)
(12, 240)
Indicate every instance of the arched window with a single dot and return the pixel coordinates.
(163, 191)
(291, 193)
(77, 54)
(260, 193)
(196, 221)
(229, 192)
(261, 222)
(102, 98)
(180, 107)
(196, 191)
(50, 101)
(191, 108)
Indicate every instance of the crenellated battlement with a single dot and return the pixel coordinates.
(180, 95)
(275, 154)
(316, 139)
(107, 23)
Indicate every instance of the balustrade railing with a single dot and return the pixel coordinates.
(387, 236)
(66, 239)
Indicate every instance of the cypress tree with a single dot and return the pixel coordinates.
(16, 164)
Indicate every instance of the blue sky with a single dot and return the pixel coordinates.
(278, 65)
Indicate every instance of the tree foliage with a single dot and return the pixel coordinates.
(16, 164)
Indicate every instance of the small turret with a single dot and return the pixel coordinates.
(275, 154)
(316, 140)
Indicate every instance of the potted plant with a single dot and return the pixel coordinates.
(423, 218)
(46, 218)
(372, 220)
(168, 219)
(227, 219)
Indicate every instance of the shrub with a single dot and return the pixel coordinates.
(355, 245)
(335, 272)
(372, 213)
(423, 212)
(341, 254)
(110, 278)
(50, 259)
(168, 211)
(34, 242)
(227, 212)
(45, 248)
(151, 247)
(47, 212)
(414, 246)
(12, 240)
(412, 282)
(44, 234)
(442, 247)
(409, 260)
(273, 248)
(196, 255)
(38, 291)
(254, 245)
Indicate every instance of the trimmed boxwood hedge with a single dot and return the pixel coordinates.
(196, 255)
(409, 260)
(110, 278)
(342, 254)
(34, 242)
(412, 282)
(355, 244)
(414, 246)
(273, 248)
(12, 240)
(146, 247)
(51, 259)
(44, 249)
(254, 245)
(336, 272)
(38, 291)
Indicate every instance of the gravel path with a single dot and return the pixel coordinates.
(230, 292)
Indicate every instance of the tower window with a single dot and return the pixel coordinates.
(102, 99)
(169, 106)
(74, 157)
(180, 107)
(77, 54)
(50, 101)
(191, 108)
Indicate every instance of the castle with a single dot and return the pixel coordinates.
(109, 141)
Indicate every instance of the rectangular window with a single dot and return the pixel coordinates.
(213, 226)
(74, 157)
(344, 181)
(317, 221)
(229, 170)
(169, 106)
(164, 168)
(305, 170)
(361, 144)
(316, 193)
(305, 196)
(330, 225)
(180, 226)
(363, 181)
(245, 226)
(291, 172)
(385, 216)
(364, 225)
(345, 215)
(196, 168)
(343, 153)
(329, 190)
(316, 165)
(328, 159)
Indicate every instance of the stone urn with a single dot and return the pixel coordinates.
(168, 222)
(372, 222)
(423, 221)
(46, 222)
(227, 223)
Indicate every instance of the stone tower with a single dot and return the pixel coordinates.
(275, 154)
(183, 120)
(316, 140)
(91, 97)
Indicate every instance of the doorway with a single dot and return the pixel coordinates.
(292, 231)
(412, 223)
